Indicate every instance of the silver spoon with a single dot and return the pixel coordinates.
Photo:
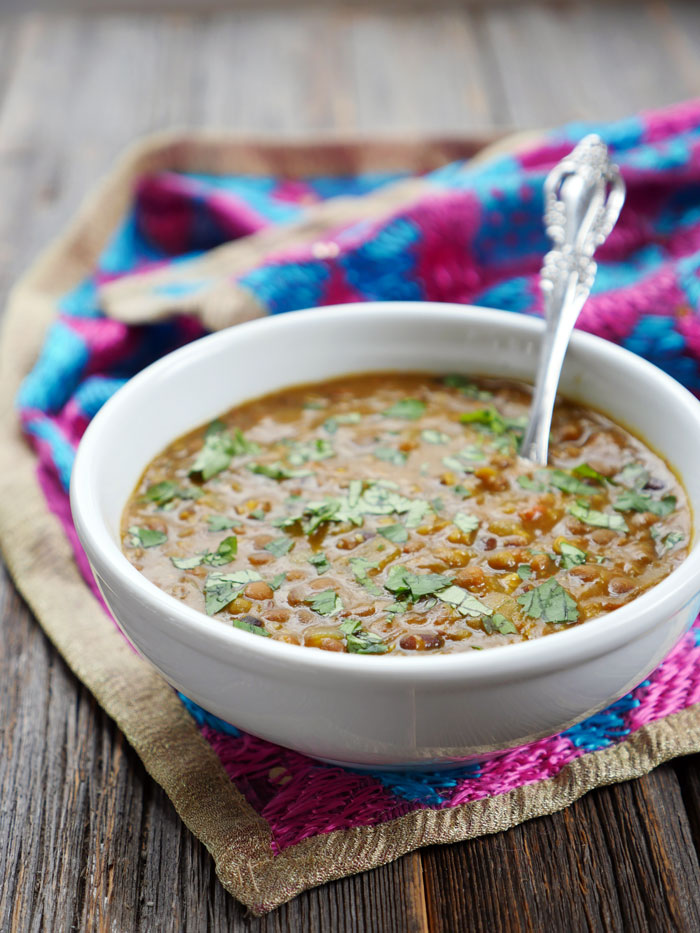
(584, 194)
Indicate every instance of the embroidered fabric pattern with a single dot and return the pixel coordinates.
(473, 235)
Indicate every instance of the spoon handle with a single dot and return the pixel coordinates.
(584, 194)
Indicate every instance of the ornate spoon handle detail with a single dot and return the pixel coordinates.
(584, 194)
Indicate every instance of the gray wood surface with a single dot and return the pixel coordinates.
(87, 840)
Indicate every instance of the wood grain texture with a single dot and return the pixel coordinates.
(87, 840)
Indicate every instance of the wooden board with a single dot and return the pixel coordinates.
(87, 840)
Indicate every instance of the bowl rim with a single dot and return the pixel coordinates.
(210, 637)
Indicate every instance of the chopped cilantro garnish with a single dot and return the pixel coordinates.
(320, 562)
(452, 463)
(415, 513)
(277, 471)
(462, 491)
(401, 581)
(434, 437)
(584, 513)
(466, 387)
(390, 455)
(279, 546)
(221, 522)
(633, 475)
(587, 472)
(167, 491)
(463, 602)
(499, 623)
(360, 568)
(360, 641)
(571, 556)
(396, 533)
(351, 417)
(276, 582)
(466, 522)
(317, 449)
(570, 484)
(550, 602)
(437, 503)
(524, 571)
(490, 418)
(246, 625)
(224, 554)
(187, 563)
(218, 450)
(257, 514)
(531, 484)
(408, 408)
(221, 588)
(326, 603)
(146, 537)
(632, 501)
(670, 541)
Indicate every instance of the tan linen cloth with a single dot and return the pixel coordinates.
(127, 687)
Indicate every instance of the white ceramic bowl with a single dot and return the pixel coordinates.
(389, 711)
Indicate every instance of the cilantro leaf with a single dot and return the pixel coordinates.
(570, 484)
(360, 641)
(360, 568)
(632, 501)
(466, 387)
(633, 475)
(279, 546)
(246, 625)
(571, 556)
(434, 437)
(320, 562)
(351, 417)
(167, 491)
(408, 408)
(490, 418)
(499, 623)
(147, 537)
(670, 541)
(396, 533)
(401, 581)
(276, 582)
(326, 603)
(587, 472)
(466, 522)
(462, 491)
(277, 471)
(221, 588)
(221, 522)
(317, 449)
(584, 513)
(224, 554)
(416, 512)
(524, 571)
(531, 484)
(550, 602)
(463, 602)
(186, 563)
(390, 455)
(219, 449)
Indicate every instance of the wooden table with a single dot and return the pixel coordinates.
(87, 840)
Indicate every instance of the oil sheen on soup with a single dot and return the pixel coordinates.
(390, 513)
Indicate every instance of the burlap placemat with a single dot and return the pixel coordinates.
(181, 751)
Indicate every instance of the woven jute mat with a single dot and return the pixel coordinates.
(147, 710)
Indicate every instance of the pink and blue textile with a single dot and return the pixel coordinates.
(472, 234)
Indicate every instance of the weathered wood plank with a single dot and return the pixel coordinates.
(87, 840)
(620, 858)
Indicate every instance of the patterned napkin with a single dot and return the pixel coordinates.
(201, 232)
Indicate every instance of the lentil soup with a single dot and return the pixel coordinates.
(391, 513)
